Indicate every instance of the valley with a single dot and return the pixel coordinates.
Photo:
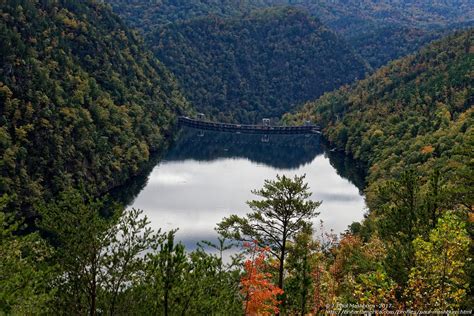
(139, 176)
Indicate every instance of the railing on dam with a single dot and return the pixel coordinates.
(246, 128)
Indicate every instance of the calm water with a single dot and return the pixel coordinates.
(206, 176)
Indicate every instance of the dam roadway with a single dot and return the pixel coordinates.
(246, 128)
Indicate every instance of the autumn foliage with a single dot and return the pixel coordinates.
(260, 294)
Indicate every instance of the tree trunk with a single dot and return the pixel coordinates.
(166, 298)
(93, 293)
(281, 269)
(305, 289)
(93, 289)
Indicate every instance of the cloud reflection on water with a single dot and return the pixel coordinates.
(195, 195)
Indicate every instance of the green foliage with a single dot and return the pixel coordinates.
(98, 257)
(438, 280)
(283, 211)
(377, 289)
(411, 123)
(384, 30)
(118, 265)
(24, 272)
(149, 15)
(178, 283)
(303, 256)
(415, 112)
(379, 31)
(359, 272)
(228, 56)
(262, 65)
(403, 209)
(81, 100)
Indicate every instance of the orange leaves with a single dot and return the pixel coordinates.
(427, 149)
(260, 294)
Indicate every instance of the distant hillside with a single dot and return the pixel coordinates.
(259, 66)
(82, 101)
(403, 12)
(379, 30)
(416, 112)
(340, 14)
(383, 30)
(148, 15)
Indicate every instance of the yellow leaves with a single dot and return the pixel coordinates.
(4, 88)
(377, 133)
(29, 111)
(21, 133)
(375, 288)
(117, 151)
(72, 23)
(5, 138)
(45, 123)
(68, 112)
(438, 278)
(9, 157)
(144, 149)
(375, 249)
(5, 93)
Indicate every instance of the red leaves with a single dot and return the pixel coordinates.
(259, 292)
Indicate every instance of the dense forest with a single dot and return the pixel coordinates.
(416, 112)
(83, 102)
(339, 14)
(378, 30)
(259, 66)
(229, 57)
(148, 16)
(411, 123)
(384, 30)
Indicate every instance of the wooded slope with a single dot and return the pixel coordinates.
(244, 69)
(82, 101)
(416, 112)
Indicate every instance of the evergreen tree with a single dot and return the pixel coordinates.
(283, 211)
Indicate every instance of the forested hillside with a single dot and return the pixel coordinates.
(82, 101)
(383, 30)
(259, 66)
(378, 30)
(412, 123)
(416, 112)
(148, 16)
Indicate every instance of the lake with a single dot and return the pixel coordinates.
(206, 176)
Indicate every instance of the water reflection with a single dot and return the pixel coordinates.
(277, 151)
(206, 176)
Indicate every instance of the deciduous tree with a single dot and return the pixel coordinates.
(260, 294)
(438, 280)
